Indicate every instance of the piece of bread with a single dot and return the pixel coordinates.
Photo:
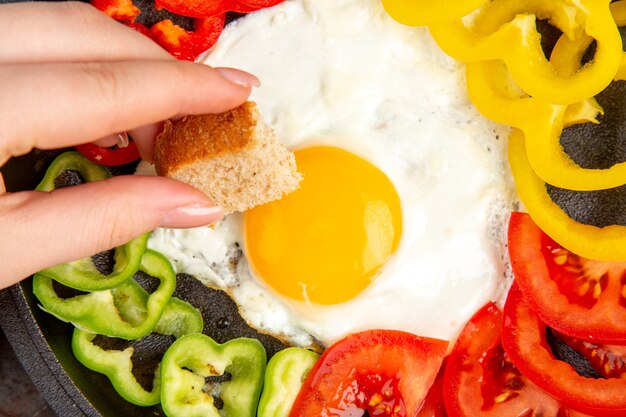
(233, 157)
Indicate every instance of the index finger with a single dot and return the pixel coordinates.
(68, 31)
(55, 105)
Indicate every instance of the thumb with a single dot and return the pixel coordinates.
(41, 229)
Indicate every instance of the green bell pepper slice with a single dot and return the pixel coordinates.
(82, 274)
(72, 161)
(201, 378)
(126, 311)
(284, 376)
(179, 318)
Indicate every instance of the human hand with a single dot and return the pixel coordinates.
(71, 75)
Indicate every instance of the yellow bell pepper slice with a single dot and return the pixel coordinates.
(600, 243)
(426, 12)
(554, 166)
(618, 10)
(506, 30)
(498, 98)
(567, 53)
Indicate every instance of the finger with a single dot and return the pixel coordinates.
(44, 229)
(28, 28)
(144, 138)
(3, 187)
(56, 105)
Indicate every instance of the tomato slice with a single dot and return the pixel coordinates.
(609, 361)
(480, 379)
(381, 372)
(524, 340)
(577, 296)
(434, 405)
(113, 156)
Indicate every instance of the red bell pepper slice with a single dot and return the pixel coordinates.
(261, 4)
(185, 45)
(109, 156)
(140, 28)
(123, 10)
(206, 8)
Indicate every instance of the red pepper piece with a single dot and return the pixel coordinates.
(208, 8)
(109, 156)
(240, 7)
(261, 4)
(187, 45)
(123, 10)
(205, 8)
(141, 29)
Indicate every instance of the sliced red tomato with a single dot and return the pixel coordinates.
(524, 340)
(434, 405)
(609, 361)
(480, 380)
(113, 156)
(577, 296)
(381, 372)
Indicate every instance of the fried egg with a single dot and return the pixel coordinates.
(401, 217)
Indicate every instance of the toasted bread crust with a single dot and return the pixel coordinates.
(205, 136)
(234, 158)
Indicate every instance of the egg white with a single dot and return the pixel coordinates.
(342, 73)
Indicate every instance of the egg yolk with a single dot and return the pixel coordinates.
(325, 242)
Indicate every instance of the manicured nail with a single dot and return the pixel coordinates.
(192, 215)
(239, 77)
(107, 141)
(122, 140)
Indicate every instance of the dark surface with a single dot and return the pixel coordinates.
(44, 346)
(43, 342)
(568, 354)
(597, 146)
(18, 395)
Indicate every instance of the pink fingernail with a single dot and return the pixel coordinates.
(192, 215)
(239, 77)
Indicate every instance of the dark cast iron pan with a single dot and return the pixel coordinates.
(42, 343)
